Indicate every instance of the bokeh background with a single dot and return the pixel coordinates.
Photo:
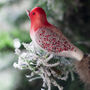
(71, 16)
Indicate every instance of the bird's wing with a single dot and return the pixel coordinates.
(52, 41)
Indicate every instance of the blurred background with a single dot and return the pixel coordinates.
(71, 16)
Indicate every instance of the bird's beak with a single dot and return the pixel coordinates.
(28, 12)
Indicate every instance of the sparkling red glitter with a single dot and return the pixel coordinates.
(51, 42)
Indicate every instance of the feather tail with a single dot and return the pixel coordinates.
(83, 69)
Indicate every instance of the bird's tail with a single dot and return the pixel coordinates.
(83, 69)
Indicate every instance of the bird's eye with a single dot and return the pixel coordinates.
(33, 13)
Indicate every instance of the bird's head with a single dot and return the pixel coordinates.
(37, 16)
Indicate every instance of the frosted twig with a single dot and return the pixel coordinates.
(43, 86)
(49, 58)
(40, 64)
(57, 85)
(51, 65)
(32, 79)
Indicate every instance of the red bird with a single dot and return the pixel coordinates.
(50, 38)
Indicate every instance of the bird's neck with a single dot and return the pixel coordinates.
(38, 24)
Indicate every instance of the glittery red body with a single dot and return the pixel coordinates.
(52, 42)
(50, 38)
(46, 35)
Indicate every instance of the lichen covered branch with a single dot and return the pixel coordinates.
(43, 66)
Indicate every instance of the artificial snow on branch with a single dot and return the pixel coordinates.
(43, 66)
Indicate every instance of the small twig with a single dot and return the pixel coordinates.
(52, 65)
(57, 85)
(32, 79)
(49, 58)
